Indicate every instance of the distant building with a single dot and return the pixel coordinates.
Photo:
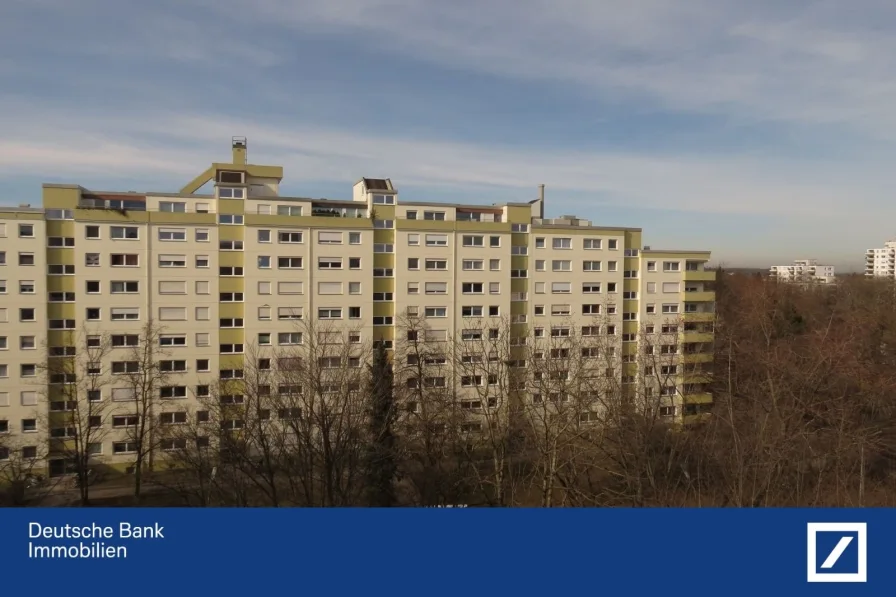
(803, 271)
(881, 263)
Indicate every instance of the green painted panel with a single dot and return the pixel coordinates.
(231, 258)
(230, 361)
(384, 260)
(164, 217)
(703, 276)
(519, 285)
(698, 297)
(384, 236)
(228, 284)
(383, 309)
(228, 232)
(231, 336)
(231, 310)
(694, 256)
(384, 284)
(111, 216)
(519, 307)
(231, 206)
(67, 310)
(519, 262)
(61, 256)
(61, 198)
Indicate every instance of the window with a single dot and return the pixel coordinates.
(434, 215)
(670, 308)
(591, 309)
(230, 219)
(612, 244)
(670, 287)
(59, 214)
(651, 266)
(57, 324)
(383, 248)
(629, 295)
(25, 314)
(383, 297)
(494, 311)
(124, 287)
(383, 199)
(173, 313)
(264, 236)
(671, 266)
(60, 241)
(472, 264)
(289, 338)
(520, 228)
(178, 418)
(436, 264)
(173, 206)
(26, 259)
(202, 235)
(172, 287)
(202, 314)
(561, 287)
(561, 265)
(290, 287)
(591, 288)
(354, 263)
(413, 240)
(230, 245)
(472, 287)
(328, 313)
(473, 241)
(125, 313)
(384, 224)
(289, 210)
(382, 272)
(494, 241)
(612, 266)
(231, 297)
(289, 262)
(230, 322)
(436, 288)
(264, 287)
(289, 313)
(436, 240)
(494, 288)
(60, 270)
(92, 232)
(329, 287)
(651, 288)
(471, 311)
(413, 287)
(329, 238)
(561, 243)
(540, 265)
(591, 243)
(289, 237)
(329, 262)
(27, 287)
(231, 192)
(651, 308)
(354, 288)
(172, 234)
(230, 348)
(436, 312)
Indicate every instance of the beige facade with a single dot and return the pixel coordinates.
(240, 266)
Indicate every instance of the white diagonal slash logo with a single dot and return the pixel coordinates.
(819, 573)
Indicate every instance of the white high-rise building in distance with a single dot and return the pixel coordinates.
(804, 271)
(881, 263)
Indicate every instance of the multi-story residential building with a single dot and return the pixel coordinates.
(804, 271)
(881, 263)
(239, 265)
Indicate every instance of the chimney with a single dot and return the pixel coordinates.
(239, 150)
(541, 192)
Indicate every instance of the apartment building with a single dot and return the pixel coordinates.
(804, 271)
(239, 265)
(881, 263)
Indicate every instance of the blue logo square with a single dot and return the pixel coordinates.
(837, 552)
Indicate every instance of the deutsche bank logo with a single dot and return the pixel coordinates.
(837, 551)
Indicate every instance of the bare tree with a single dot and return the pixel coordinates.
(147, 377)
(74, 378)
(21, 471)
(432, 456)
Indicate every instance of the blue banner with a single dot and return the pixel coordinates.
(452, 551)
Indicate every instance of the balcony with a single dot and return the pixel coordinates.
(697, 398)
(697, 357)
(699, 296)
(699, 276)
(698, 317)
(696, 337)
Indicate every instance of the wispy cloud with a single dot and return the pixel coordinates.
(792, 104)
(176, 145)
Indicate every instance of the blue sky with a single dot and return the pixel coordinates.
(761, 130)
